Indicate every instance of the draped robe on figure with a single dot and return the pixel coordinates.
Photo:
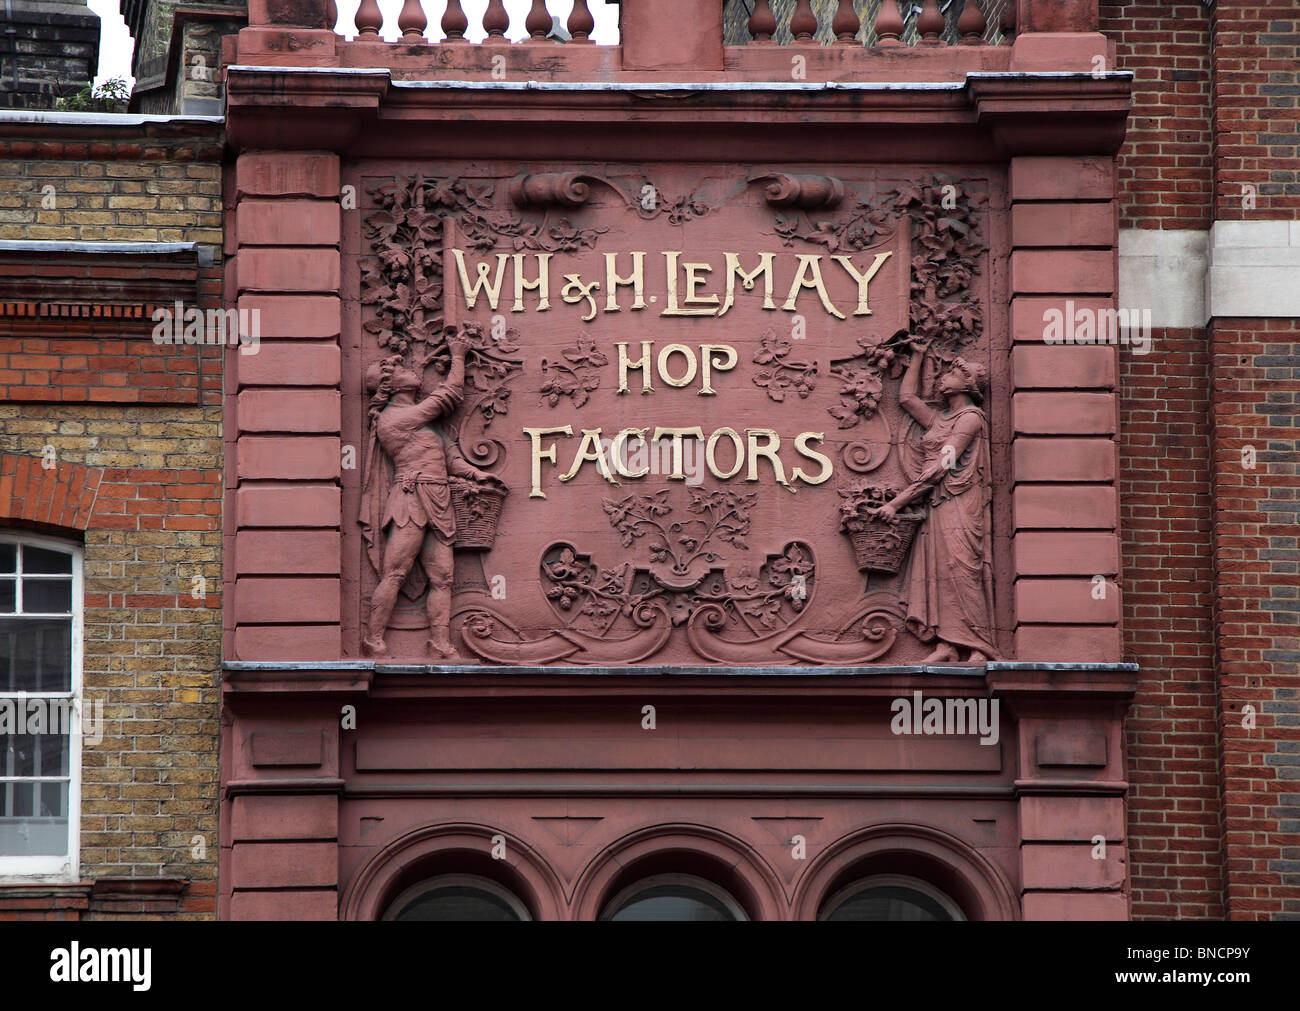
(949, 590)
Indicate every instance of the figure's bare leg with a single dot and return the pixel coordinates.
(438, 560)
(977, 657)
(400, 551)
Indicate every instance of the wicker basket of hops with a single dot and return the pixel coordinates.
(477, 508)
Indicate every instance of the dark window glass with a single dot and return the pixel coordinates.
(35, 655)
(673, 902)
(457, 902)
(47, 596)
(54, 800)
(8, 596)
(894, 903)
(46, 561)
(8, 557)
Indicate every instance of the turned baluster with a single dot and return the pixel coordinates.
(845, 24)
(930, 24)
(1007, 22)
(369, 19)
(889, 24)
(762, 23)
(412, 21)
(581, 22)
(803, 23)
(454, 22)
(971, 24)
(331, 13)
(496, 21)
(538, 21)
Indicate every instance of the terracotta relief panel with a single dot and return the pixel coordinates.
(674, 414)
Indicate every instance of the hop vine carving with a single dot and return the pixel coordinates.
(946, 246)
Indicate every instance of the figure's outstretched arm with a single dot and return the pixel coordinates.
(450, 391)
(965, 432)
(908, 394)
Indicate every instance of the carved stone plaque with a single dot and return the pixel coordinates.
(741, 417)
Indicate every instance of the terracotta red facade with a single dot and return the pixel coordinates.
(605, 725)
(498, 618)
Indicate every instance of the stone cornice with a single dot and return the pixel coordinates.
(988, 116)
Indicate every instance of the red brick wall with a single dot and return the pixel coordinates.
(1165, 512)
(1255, 371)
(1210, 545)
(79, 359)
(1165, 172)
(1165, 175)
(1257, 108)
(1256, 377)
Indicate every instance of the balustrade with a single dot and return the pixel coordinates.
(864, 23)
(740, 37)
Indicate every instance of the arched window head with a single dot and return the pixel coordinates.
(890, 898)
(459, 897)
(675, 897)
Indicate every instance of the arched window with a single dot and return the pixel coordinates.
(42, 717)
(462, 897)
(890, 897)
(672, 897)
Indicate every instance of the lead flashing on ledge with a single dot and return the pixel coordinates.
(963, 670)
(203, 251)
(100, 118)
(724, 86)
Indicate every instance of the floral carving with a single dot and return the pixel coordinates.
(403, 281)
(864, 226)
(654, 202)
(783, 373)
(946, 246)
(685, 575)
(862, 380)
(577, 376)
(859, 498)
(754, 602)
(723, 514)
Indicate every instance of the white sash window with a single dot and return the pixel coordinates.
(41, 713)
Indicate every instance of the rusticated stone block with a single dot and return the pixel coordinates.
(1063, 413)
(1064, 460)
(1035, 271)
(255, 818)
(289, 458)
(290, 364)
(1062, 367)
(287, 223)
(261, 601)
(287, 174)
(1069, 643)
(1064, 506)
(285, 865)
(288, 642)
(307, 411)
(299, 552)
(1065, 554)
(310, 316)
(292, 268)
(1062, 178)
(279, 505)
(1066, 602)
